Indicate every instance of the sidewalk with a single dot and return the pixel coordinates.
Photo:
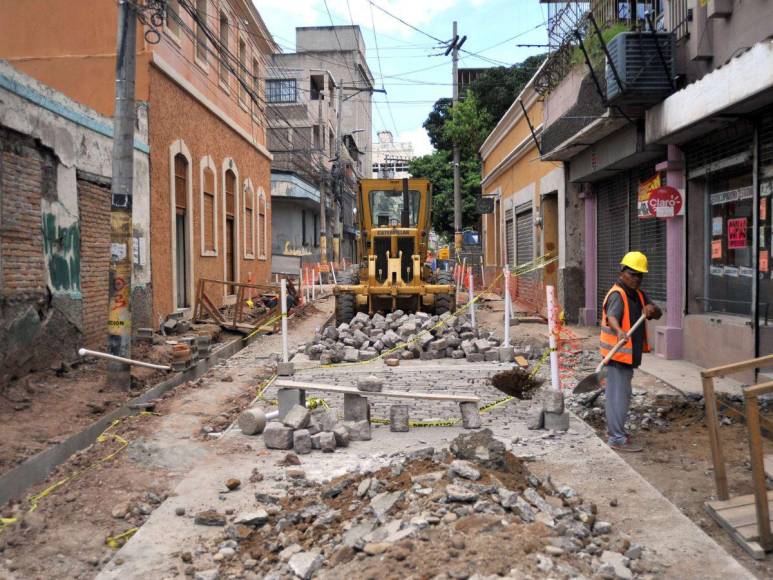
(685, 375)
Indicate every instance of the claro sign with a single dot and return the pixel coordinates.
(659, 201)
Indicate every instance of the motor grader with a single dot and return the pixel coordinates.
(394, 218)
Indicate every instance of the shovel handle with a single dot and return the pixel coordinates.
(620, 343)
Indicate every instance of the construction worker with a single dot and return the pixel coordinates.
(623, 306)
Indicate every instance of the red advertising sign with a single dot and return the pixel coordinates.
(763, 260)
(736, 233)
(666, 201)
(716, 249)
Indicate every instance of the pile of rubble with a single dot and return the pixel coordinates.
(411, 336)
(471, 512)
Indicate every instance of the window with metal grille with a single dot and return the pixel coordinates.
(611, 233)
(647, 236)
(723, 161)
(224, 49)
(210, 211)
(242, 71)
(180, 182)
(510, 237)
(201, 35)
(281, 91)
(524, 243)
(262, 225)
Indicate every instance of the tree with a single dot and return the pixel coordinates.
(467, 124)
(435, 122)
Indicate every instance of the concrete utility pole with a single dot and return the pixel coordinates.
(339, 178)
(456, 43)
(119, 315)
(322, 196)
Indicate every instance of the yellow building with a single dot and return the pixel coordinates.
(528, 199)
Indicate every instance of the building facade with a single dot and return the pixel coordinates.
(202, 87)
(391, 159)
(528, 202)
(55, 178)
(677, 167)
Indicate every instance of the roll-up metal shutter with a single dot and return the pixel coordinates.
(524, 231)
(510, 237)
(611, 232)
(649, 237)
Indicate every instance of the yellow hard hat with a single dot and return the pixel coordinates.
(635, 261)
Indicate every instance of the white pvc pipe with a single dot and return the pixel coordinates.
(128, 361)
(551, 303)
(472, 302)
(482, 275)
(312, 284)
(320, 282)
(283, 297)
(333, 270)
(506, 271)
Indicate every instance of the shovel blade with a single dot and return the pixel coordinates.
(590, 383)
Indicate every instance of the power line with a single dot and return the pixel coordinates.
(381, 72)
(411, 26)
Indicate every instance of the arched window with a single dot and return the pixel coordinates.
(262, 227)
(231, 225)
(209, 207)
(181, 241)
(223, 49)
(248, 204)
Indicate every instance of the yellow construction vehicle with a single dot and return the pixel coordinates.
(394, 218)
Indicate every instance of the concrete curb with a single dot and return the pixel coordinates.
(34, 470)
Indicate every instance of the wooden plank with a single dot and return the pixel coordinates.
(736, 501)
(712, 423)
(740, 516)
(758, 473)
(521, 362)
(758, 390)
(751, 547)
(768, 461)
(356, 391)
(754, 363)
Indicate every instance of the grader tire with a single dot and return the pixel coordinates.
(346, 306)
(444, 302)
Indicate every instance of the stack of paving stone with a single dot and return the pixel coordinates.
(406, 336)
(302, 430)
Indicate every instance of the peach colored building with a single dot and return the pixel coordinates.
(210, 188)
(528, 196)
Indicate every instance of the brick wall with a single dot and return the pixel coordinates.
(94, 209)
(24, 168)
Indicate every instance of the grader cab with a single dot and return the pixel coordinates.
(394, 218)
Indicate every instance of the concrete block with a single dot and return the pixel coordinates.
(288, 398)
(392, 362)
(302, 441)
(553, 401)
(277, 436)
(297, 417)
(506, 354)
(252, 421)
(285, 369)
(358, 430)
(351, 354)
(326, 419)
(341, 434)
(355, 408)
(536, 418)
(370, 384)
(327, 442)
(556, 421)
(398, 418)
(315, 440)
(475, 357)
(491, 356)
(470, 415)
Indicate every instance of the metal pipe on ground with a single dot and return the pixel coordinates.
(128, 361)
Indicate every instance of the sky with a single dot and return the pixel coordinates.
(408, 64)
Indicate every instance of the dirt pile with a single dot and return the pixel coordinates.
(516, 382)
(473, 510)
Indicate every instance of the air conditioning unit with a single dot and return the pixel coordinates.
(646, 73)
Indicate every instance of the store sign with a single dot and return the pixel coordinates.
(659, 201)
(732, 195)
(716, 249)
(736, 233)
(485, 205)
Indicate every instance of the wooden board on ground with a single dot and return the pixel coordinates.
(521, 362)
(282, 384)
(768, 461)
(737, 516)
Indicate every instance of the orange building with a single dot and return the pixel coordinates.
(210, 188)
(528, 198)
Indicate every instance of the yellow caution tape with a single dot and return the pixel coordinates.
(250, 303)
(114, 541)
(104, 436)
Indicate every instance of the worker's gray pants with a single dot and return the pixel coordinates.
(618, 400)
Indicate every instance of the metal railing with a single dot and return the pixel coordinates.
(678, 18)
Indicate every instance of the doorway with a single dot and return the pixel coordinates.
(231, 249)
(181, 260)
(181, 238)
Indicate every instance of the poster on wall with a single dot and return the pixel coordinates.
(716, 226)
(731, 271)
(661, 202)
(764, 261)
(645, 189)
(763, 209)
(716, 249)
(736, 233)
(745, 272)
(717, 271)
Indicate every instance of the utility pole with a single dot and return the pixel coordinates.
(119, 315)
(338, 176)
(322, 185)
(453, 48)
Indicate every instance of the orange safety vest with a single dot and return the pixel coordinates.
(608, 336)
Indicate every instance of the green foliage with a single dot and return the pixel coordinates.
(435, 121)
(593, 46)
(467, 124)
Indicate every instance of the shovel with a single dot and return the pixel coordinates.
(593, 381)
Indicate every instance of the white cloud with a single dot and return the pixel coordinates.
(420, 140)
